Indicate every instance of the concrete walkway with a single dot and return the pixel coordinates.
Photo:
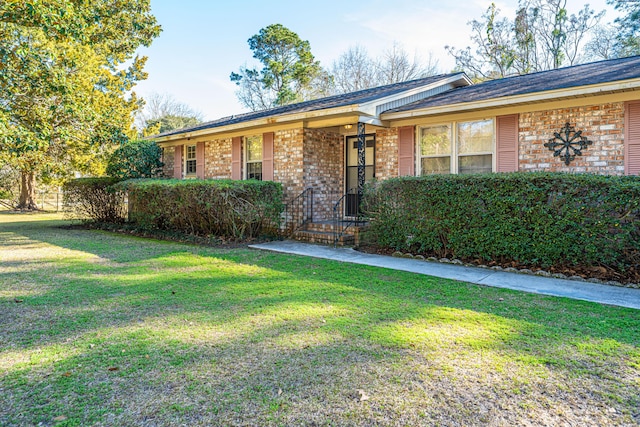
(613, 295)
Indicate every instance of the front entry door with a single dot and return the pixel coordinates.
(353, 200)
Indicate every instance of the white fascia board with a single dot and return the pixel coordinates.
(506, 101)
(370, 107)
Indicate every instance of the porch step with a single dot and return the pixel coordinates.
(329, 226)
(323, 237)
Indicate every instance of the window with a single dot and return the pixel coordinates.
(253, 154)
(475, 147)
(191, 160)
(435, 150)
(464, 147)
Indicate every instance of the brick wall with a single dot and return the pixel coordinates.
(324, 170)
(217, 159)
(386, 153)
(288, 161)
(168, 158)
(602, 124)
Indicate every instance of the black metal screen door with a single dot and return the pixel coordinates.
(352, 205)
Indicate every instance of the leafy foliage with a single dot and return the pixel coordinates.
(289, 69)
(534, 219)
(95, 199)
(542, 36)
(628, 26)
(136, 159)
(170, 122)
(64, 83)
(224, 208)
(163, 113)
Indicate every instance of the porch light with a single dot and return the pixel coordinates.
(348, 126)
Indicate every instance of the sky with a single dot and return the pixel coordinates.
(203, 41)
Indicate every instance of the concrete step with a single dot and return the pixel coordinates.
(329, 226)
(323, 237)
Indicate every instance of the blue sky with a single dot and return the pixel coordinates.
(204, 41)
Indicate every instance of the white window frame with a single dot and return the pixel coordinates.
(245, 153)
(454, 165)
(187, 160)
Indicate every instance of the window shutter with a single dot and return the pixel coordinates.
(200, 160)
(267, 156)
(632, 138)
(406, 151)
(507, 143)
(177, 162)
(236, 158)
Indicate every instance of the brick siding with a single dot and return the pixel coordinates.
(288, 161)
(324, 170)
(386, 153)
(602, 124)
(168, 158)
(217, 159)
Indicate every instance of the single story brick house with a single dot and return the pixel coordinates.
(438, 124)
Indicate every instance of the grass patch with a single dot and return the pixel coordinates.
(99, 328)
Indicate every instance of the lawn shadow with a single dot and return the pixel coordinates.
(210, 304)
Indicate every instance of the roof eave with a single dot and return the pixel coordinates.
(264, 121)
(366, 110)
(536, 97)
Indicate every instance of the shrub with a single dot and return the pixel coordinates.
(537, 219)
(136, 159)
(224, 208)
(95, 199)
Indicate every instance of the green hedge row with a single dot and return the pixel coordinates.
(537, 219)
(95, 199)
(224, 208)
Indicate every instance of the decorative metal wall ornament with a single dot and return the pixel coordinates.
(568, 143)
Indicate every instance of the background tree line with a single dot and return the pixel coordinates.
(545, 35)
(542, 35)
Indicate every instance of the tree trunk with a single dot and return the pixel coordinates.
(28, 192)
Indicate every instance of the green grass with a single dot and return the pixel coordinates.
(116, 330)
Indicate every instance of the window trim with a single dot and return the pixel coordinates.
(454, 155)
(187, 160)
(246, 162)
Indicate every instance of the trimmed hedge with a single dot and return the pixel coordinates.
(95, 199)
(224, 208)
(537, 219)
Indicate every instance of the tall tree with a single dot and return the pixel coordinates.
(628, 25)
(603, 43)
(64, 83)
(288, 69)
(162, 113)
(542, 36)
(395, 66)
(495, 50)
(356, 70)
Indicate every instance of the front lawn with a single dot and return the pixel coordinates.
(103, 329)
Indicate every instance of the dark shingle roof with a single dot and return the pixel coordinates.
(562, 78)
(359, 97)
